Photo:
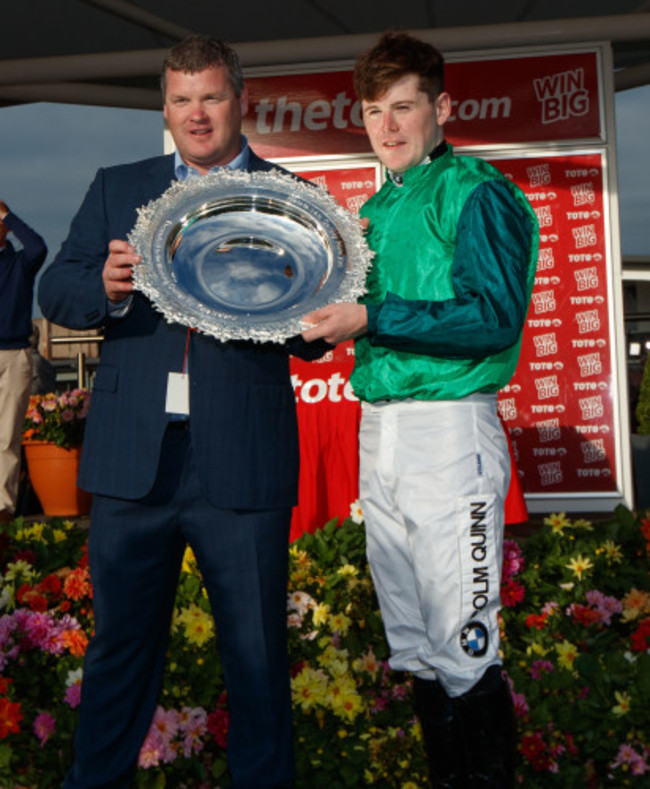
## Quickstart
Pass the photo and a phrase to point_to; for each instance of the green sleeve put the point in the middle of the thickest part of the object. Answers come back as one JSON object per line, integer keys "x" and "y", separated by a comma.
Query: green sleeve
{"x": 496, "y": 247}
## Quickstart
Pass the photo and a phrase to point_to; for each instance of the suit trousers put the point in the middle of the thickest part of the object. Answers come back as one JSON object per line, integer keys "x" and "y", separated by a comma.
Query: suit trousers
{"x": 135, "y": 551}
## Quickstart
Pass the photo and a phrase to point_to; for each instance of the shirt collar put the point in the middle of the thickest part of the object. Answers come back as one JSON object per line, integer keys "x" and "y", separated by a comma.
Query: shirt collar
{"x": 439, "y": 150}
{"x": 240, "y": 162}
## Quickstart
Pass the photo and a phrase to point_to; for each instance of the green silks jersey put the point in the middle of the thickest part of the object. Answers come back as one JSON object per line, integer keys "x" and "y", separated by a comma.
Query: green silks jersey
{"x": 456, "y": 248}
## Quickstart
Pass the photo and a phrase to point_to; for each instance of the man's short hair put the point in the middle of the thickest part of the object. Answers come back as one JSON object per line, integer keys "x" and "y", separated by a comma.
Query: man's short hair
{"x": 197, "y": 53}
{"x": 394, "y": 56}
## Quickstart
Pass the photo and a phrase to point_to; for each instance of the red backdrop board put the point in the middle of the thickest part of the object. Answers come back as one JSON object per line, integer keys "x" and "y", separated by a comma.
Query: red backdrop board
{"x": 559, "y": 406}
{"x": 528, "y": 99}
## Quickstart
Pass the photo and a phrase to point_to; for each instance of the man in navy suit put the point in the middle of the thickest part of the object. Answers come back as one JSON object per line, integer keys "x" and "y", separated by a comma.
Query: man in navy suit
{"x": 214, "y": 466}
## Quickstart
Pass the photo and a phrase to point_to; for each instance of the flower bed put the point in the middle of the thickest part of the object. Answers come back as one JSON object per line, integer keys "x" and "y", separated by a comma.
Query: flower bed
{"x": 576, "y": 645}
{"x": 59, "y": 419}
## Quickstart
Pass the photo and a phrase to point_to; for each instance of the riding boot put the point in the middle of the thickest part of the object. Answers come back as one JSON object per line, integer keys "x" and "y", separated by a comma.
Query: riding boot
{"x": 443, "y": 739}
{"x": 485, "y": 715}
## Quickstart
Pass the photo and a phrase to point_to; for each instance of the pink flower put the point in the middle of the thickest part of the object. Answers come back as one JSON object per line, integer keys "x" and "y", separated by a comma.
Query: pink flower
{"x": 167, "y": 722}
{"x": 73, "y": 695}
{"x": 606, "y": 606}
{"x": 628, "y": 756}
{"x": 152, "y": 749}
{"x": 44, "y": 727}
{"x": 193, "y": 723}
{"x": 541, "y": 667}
{"x": 513, "y": 559}
{"x": 520, "y": 705}
{"x": 67, "y": 415}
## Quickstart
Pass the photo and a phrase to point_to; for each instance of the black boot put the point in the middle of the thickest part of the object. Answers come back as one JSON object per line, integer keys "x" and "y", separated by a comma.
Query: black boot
{"x": 443, "y": 739}
{"x": 485, "y": 716}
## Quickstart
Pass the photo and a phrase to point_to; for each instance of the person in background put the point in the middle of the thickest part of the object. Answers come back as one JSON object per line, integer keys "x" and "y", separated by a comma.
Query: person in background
{"x": 18, "y": 269}
{"x": 437, "y": 335}
{"x": 188, "y": 441}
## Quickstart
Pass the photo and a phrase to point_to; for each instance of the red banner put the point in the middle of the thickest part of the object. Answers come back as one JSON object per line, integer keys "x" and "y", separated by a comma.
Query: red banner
{"x": 540, "y": 98}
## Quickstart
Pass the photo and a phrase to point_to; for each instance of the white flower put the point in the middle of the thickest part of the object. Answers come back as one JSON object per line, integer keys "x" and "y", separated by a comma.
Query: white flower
{"x": 355, "y": 512}
{"x": 74, "y": 677}
{"x": 300, "y": 602}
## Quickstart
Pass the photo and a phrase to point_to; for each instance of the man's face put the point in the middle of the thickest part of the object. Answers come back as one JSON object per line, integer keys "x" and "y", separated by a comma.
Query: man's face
{"x": 204, "y": 116}
{"x": 403, "y": 125}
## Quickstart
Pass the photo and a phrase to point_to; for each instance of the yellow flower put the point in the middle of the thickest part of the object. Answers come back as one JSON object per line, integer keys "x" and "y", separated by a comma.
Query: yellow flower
{"x": 624, "y": 703}
{"x": 33, "y": 532}
{"x": 300, "y": 557}
{"x": 567, "y": 653}
{"x": 336, "y": 660}
{"x": 409, "y": 785}
{"x": 339, "y": 623}
{"x": 19, "y": 569}
{"x": 344, "y": 699}
{"x": 581, "y": 523}
{"x": 198, "y": 625}
{"x": 558, "y": 522}
{"x": 59, "y": 535}
{"x": 189, "y": 565}
{"x": 321, "y": 612}
{"x": 536, "y": 649}
{"x": 309, "y": 688}
{"x": 580, "y": 564}
{"x": 348, "y": 570}
{"x": 612, "y": 552}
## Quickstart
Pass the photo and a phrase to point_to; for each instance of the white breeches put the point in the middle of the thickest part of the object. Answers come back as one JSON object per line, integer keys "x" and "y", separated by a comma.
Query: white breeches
{"x": 433, "y": 481}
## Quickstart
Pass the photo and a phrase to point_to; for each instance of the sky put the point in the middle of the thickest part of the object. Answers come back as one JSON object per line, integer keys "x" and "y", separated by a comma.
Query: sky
{"x": 49, "y": 154}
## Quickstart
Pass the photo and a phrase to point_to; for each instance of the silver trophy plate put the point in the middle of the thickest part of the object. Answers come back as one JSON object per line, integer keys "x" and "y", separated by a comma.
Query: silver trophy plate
{"x": 244, "y": 256}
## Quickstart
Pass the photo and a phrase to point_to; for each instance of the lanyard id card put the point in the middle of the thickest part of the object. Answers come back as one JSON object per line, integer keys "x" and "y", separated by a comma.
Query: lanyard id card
{"x": 178, "y": 394}
{"x": 178, "y": 388}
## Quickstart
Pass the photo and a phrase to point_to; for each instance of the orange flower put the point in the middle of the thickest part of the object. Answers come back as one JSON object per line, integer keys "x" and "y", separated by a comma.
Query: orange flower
{"x": 76, "y": 641}
{"x": 77, "y": 584}
{"x": 10, "y": 718}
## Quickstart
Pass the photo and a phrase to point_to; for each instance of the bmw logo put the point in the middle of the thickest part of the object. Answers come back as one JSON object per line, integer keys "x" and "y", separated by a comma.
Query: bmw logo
{"x": 474, "y": 639}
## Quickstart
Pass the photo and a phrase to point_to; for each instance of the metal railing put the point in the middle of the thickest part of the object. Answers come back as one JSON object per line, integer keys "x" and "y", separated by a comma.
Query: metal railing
{"x": 81, "y": 356}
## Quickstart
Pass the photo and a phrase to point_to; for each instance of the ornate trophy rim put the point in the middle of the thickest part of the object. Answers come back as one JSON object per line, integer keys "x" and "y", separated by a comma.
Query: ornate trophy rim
{"x": 244, "y": 256}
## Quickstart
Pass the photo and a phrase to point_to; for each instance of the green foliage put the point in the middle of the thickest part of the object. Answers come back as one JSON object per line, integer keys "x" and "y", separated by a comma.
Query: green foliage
{"x": 643, "y": 404}
{"x": 576, "y": 650}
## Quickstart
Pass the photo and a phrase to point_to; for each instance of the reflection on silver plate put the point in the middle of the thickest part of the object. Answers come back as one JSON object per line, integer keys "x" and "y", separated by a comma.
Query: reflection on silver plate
{"x": 241, "y": 255}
